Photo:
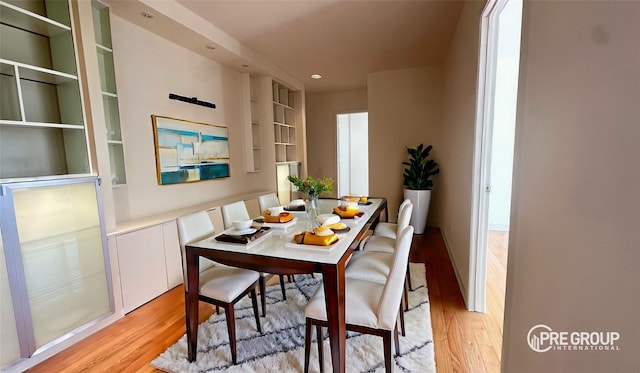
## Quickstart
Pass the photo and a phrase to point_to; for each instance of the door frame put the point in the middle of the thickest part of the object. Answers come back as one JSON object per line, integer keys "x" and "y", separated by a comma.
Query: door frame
{"x": 337, "y": 183}
{"x": 487, "y": 66}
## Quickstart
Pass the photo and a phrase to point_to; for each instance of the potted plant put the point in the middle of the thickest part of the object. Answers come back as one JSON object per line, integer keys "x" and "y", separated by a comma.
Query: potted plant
{"x": 313, "y": 189}
{"x": 418, "y": 184}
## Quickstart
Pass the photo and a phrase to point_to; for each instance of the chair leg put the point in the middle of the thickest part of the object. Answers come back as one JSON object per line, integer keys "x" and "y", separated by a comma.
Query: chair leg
{"x": 386, "y": 341}
{"x": 409, "y": 276}
{"x": 406, "y": 296}
{"x": 307, "y": 344}
{"x": 320, "y": 347}
{"x": 254, "y": 302}
{"x": 395, "y": 336}
{"x": 231, "y": 327}
{"x": 402, "y": 322}
{"x": 263, "y": 295}
{"x": 284, "y": 294}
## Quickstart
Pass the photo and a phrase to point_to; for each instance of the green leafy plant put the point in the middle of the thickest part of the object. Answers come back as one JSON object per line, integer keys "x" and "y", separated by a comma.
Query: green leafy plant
{"x": 312, "y": 187}
{"x": 418, "y": 175}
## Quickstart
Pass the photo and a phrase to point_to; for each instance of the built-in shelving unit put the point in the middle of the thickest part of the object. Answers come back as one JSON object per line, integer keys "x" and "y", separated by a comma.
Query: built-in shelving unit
{"x": 253, "y": 122}
{"x": 42, "y": 131}
{"x": 102, "y": 31}
{"x": 284, "y": 124}
{"x": 286, "y": 138}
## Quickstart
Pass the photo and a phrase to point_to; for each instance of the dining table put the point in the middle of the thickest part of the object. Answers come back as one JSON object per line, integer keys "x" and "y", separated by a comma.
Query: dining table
{"x": 279, "y": 254}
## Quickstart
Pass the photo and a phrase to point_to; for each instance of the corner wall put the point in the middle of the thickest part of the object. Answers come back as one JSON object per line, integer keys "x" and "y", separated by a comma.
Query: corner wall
{"x": 456, "y": 165}
{"x": 405, "y": 109}
{"x": 573, "y": 250}
{"x": 321, "y": 111}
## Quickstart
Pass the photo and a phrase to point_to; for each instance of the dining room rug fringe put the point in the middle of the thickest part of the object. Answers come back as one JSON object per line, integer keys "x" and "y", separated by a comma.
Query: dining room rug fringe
{"x": 280, "y": 348}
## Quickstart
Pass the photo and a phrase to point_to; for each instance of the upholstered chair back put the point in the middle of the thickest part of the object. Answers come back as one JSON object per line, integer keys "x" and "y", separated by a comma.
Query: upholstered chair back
{"x": 268, "y": 200}
{"x": 191, "y": 228}
{"x": 402, "y": 205}
{"x": 389, "y": 303}
{"x": 234, "y": 211}
{"x": 404, "y": 217}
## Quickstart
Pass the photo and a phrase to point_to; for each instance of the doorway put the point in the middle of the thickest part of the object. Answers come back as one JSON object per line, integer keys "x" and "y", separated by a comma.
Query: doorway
{"x": 493, "y": 153}
{"x": 353, "y": 154}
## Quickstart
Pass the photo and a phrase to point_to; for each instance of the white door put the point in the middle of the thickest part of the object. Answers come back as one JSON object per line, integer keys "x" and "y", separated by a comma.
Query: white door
{"x": 353, "y": 154}
{"x": 495, "y": 129}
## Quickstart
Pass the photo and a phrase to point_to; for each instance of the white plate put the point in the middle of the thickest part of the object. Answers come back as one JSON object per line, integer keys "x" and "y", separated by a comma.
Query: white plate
{"x": 286, "y": 225}
{"x": 296, "y": 203}
{"x": 241, "y": 231}
{"x": 328, "y": 219}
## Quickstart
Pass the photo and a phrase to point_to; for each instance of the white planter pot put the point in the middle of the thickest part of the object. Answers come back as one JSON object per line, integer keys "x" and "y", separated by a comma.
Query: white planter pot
{"x": 420, "y": 200}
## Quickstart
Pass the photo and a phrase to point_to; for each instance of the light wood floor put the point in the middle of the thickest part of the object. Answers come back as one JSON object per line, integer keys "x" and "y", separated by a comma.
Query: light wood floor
{"x": 464, "y": 341}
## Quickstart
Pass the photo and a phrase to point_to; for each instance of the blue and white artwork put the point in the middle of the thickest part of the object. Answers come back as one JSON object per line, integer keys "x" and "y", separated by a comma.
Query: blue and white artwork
{"x": 189, "y": 151}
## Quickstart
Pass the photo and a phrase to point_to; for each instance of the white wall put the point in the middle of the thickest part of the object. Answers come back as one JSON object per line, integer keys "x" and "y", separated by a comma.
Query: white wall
{"x": 148, "y": 68}
{"x": 573, "y": 252}
{"x": 405, "y": 109}
{"x": 321, "y": 111}
{"x": 456, "y": 162}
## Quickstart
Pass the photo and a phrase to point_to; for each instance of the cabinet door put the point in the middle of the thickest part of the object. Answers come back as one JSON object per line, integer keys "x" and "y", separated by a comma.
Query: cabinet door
{"x": 143, "y": 272}
{"x": 57, "y": 280}
{"x": 172, "y": 254}
{"x": 10, "y": 350}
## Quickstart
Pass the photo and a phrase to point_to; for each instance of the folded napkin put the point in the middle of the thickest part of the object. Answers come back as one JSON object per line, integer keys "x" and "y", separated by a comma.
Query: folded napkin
{"x": 243, "y": 238}
{"x": 347, "y": 214}
{"x": 283, "y": 217}
{"x": 308, "y": 238}
{"x": 294, "y": 208}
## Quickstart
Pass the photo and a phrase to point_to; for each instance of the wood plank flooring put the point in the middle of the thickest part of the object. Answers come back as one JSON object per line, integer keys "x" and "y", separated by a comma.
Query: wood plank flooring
{"x": 464, "y": 341}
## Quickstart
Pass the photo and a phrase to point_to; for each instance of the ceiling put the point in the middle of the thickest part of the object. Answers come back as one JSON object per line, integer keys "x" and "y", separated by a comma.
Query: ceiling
{"x": 341, "y": 40}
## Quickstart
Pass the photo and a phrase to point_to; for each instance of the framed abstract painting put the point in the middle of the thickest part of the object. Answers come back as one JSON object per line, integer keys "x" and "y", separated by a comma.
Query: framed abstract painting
{"x": 189, "y": 151}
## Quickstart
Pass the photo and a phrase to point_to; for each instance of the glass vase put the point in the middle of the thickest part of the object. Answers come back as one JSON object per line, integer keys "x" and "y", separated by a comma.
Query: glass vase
{"x": 312, "y": 210}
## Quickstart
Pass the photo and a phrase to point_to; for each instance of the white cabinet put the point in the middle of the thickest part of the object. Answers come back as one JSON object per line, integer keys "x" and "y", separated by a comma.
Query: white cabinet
{"x": 150, "y": 263}
{"x": 55, "y": 282}
{"x": 143, "y": 273}
{"x": 173, "y": 258}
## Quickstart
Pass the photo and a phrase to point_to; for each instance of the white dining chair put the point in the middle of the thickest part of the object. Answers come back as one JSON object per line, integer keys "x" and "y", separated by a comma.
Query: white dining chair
{"x": 371, "y": 307}
{"x": 238, "y": 211}
{"x": 387, "y": 243}
{"x": 220, "y": 285}
{"x": 375, "y": 266}
{"x": 234, "y": 211}
{"x": 386, "y": 229}
{"x": 268, "y": 200}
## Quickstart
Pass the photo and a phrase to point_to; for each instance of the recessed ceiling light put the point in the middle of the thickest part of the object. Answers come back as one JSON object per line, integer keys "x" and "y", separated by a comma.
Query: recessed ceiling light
{"x": 146, "y": 15}
{"x": 316, "y": 76}
{"x": 210, "y": 47}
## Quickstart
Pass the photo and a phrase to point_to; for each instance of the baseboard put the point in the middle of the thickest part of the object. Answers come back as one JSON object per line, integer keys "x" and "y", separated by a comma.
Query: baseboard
{"x": 461, "y": 284}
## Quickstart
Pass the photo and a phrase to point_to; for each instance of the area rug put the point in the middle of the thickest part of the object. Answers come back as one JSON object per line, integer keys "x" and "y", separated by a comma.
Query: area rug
{"x": 280, "y": 348}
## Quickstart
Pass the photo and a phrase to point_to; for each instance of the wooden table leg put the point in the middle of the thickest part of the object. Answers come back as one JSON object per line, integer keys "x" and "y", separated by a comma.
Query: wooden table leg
{"x": 333, "y": 279}
{"x": 191, "y": 304}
